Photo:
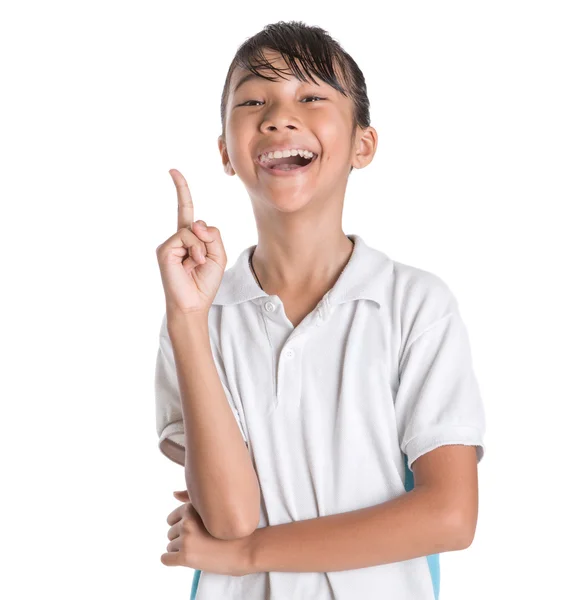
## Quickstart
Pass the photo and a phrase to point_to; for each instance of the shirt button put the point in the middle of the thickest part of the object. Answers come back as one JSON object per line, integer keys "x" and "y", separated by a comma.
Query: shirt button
{"x": 289, "y": 353}
{"x": 269, "y": 306}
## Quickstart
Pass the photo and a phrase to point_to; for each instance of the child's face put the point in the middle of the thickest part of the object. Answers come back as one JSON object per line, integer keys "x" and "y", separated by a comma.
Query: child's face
{"x": 262, "y": 113}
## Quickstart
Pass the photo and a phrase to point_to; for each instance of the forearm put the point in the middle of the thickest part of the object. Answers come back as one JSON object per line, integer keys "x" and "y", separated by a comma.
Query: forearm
{"x": 414, "y": 524}
{"x": 221, "y": 481}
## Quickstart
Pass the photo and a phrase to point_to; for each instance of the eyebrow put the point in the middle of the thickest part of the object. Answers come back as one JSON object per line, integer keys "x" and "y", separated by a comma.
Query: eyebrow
{"x": 246, "y": 78}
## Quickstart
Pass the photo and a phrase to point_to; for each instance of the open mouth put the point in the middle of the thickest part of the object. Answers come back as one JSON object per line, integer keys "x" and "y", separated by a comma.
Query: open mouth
{"x": 290, "y": 163}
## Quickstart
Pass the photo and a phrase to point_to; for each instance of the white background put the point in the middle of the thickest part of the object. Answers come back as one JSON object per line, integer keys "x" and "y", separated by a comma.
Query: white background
{"x": 479, "y": 178}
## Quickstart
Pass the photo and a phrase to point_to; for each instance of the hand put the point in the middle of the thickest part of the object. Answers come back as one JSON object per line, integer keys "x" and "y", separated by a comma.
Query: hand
{"x": 193, "y": 546}
{"x": 193, "y": 260}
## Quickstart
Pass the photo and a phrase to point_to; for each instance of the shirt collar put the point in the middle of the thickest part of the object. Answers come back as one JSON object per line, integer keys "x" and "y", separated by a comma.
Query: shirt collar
{"x": 365, "y": 276}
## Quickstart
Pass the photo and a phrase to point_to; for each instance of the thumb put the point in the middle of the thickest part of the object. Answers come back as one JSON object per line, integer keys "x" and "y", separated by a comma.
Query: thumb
{"x": 184, "y": 495}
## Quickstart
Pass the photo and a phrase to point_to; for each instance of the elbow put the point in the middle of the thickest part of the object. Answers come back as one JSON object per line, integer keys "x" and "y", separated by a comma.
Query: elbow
{"x": 461, "y": 530}
{"x": 241, "y": 525}
{"x": 243, "y": 529}
{"x": 234, "y": 519}
{"x": 248, "y": 528}
{"x": 466, "y": 537}
{"x": 247, "y": 521}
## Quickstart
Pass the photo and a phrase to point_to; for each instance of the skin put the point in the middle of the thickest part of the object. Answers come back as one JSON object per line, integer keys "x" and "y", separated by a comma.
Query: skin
{"x": 301, "y": 251}
{"x": 301, "y": 248}
{"x": 191, "y": 545}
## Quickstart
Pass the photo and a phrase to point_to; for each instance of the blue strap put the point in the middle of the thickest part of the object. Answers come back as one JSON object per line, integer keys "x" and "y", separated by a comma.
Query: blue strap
{"x": 195, "y": 584}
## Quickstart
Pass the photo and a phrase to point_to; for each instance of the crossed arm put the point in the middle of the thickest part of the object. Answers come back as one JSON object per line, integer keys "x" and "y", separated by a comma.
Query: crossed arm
{"x": 438, "y": 515}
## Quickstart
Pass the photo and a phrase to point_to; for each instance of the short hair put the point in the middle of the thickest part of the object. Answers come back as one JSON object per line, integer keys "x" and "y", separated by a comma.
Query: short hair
{"x": 316, "y": 51}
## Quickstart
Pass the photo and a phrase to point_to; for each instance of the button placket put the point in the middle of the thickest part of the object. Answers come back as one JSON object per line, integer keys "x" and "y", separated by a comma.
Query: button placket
{"x": 287, "y": 370}
{"x": 289, "y": 376}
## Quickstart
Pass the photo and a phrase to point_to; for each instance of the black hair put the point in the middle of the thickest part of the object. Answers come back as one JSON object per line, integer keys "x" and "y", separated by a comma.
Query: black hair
{"x": 316, "y": 51}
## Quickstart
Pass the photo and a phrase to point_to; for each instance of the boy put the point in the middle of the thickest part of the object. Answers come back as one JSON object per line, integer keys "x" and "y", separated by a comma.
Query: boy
{"x": 348, "y": 374}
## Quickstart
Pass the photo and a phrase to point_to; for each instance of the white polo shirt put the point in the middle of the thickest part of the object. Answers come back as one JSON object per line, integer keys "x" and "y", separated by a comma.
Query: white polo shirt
{"x": 335, "y": 410}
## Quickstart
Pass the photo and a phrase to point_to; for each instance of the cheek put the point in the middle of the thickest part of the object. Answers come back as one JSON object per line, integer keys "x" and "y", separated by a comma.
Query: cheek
{"x": 333, "y": 134}
{"x": 237, "y": 151}
{"x": 240, "y": 137}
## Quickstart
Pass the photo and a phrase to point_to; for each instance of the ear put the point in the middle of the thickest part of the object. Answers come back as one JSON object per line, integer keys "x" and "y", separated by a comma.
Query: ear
{"x": 225, "y": 159}
{"x": 366, "y": 143}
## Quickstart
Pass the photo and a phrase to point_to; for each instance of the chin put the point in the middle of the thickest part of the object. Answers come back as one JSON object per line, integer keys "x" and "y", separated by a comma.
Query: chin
{"x": 287, "y": 202}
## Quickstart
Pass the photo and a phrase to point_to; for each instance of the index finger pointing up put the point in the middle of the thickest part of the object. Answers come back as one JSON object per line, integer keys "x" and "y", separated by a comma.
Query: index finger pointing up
{"x": 185, "y": 210}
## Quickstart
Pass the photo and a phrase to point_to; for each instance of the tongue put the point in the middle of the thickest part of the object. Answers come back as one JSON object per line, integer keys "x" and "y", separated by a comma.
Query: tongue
{"x": 291, "y": 161}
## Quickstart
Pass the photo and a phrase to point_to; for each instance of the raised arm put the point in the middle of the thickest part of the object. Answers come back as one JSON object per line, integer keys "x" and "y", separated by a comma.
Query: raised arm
{"x": 222, "y": 483}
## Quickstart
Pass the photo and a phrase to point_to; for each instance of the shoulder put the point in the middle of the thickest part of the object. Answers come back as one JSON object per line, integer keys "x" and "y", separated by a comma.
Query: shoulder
{"x": 420, "y": 298}
{"x": 414, "y": 297}
{"x": 416, "y": 287}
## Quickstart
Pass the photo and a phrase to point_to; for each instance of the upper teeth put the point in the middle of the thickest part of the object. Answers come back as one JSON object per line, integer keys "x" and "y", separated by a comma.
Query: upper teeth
{"x": 285, "y": 154}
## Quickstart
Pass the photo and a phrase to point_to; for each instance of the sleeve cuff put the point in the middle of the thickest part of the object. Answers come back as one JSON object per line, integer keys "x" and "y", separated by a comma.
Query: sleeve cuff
{"x": 174, "y": 448}
{"x": 466, "y": 436}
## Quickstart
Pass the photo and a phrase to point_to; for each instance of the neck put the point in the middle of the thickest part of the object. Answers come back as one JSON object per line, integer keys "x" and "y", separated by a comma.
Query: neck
{"x": 289, "y": 267}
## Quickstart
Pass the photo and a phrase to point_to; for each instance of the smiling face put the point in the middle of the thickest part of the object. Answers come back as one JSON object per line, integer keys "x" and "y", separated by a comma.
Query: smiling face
{"x": 289, "y": 114}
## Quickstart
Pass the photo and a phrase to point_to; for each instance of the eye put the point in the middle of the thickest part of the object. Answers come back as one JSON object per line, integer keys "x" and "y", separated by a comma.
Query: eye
{"x": 247, "y": 101}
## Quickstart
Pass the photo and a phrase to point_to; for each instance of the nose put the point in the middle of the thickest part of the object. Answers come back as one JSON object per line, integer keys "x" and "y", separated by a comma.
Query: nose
{"x": 280, "y": 117}
{"x": 269, "y": 124}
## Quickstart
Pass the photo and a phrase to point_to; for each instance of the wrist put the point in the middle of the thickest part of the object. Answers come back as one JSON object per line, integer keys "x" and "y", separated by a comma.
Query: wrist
{"x": 178, "y": 322}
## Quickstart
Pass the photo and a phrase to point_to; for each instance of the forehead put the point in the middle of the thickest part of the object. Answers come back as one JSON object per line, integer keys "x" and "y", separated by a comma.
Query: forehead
{"x": 241, "y": 76}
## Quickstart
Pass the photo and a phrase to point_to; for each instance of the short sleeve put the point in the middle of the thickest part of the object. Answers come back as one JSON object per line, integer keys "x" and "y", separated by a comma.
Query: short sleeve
{"x": 169, "y": 414}
{"x": 438, "y": 401}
